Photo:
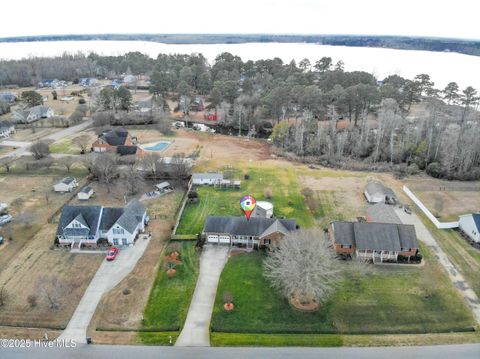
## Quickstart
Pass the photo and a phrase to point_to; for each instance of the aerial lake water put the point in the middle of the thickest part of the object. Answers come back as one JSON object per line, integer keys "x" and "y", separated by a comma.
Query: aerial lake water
{"x": 443, "y": 67}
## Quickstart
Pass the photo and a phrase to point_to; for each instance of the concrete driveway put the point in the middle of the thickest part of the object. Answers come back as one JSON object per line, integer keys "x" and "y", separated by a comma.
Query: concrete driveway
{"x": 455, "y": 276}
{"x": 196, "y": 331}
{"x": 108, "y": 275}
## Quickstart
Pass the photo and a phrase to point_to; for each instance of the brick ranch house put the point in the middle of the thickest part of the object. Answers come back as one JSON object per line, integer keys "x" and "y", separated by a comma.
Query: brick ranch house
{"x": 257, "y": 232}
{"x": 86, "y": 225}
{"x": 376, "y": 241}
{"x": 118, "y": 141}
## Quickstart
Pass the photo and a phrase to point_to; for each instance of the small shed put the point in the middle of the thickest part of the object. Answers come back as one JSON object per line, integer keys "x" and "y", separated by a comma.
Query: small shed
{"x": 85, "y": 193}
{"x": 67, "y": 184}
{"x": 208, "y": 178}
{"x": 263, "y": 209}
{"x": 164, "y": 187}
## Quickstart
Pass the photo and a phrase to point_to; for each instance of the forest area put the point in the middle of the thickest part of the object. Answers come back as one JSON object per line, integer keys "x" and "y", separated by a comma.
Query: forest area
{"x": 316, "y": 112}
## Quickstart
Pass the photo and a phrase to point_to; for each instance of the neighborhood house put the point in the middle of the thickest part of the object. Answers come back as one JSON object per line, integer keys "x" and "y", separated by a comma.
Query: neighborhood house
{"x": 86, "y": 225}
{"x": 67, "y": 184}
{"x": 6, "y": 129}
{"x": 470, "y": 225}
{"x": 33, "y": 114}
{"x": 263, "y": 209}
{"x": 254, "y": 233}
{"x": 376, "y": 192}
{"x": 376, "y": 241}
{"x": 118, "y": 141}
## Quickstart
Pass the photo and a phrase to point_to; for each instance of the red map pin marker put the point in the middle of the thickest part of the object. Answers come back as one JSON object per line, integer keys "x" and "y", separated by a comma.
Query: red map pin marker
{"x": 247, "y": 204}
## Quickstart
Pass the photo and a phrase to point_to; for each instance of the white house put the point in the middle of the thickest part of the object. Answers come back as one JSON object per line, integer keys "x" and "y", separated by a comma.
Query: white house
{"x": 67, "y": 184}
{"x": 33, "y": 114}
{"x": 6, "y": 129}
{"x": 470, "y": 225}
{"x": 263, "y": 209}
{"x": 88, "y": 224}
{"x": 85, "y": 193}
{"x": 206, "y": 178}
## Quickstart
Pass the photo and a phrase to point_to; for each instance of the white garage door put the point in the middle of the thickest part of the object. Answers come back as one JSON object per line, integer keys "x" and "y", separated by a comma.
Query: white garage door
{"x": 212, "y": 239}
{"x": 224, "y": 239}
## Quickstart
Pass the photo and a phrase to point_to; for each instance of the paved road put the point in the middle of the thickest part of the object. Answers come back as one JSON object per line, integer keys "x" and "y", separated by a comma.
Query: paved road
{"x": 196, "y": 331}
{"x": 457, "y": 279}
{"x": 108, "y": 275}
{"x": 466, "y": 351}
{"x": 24, "y": 146}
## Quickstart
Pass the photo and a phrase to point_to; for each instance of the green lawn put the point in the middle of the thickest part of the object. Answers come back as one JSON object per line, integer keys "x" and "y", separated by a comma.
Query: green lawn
{"x": 282, "y": 182}
{"x": 169, "y": 299}
{"x": 390, "y": 300}
{"x": 465, "y": 258}
{"x": 64, "y": 146}
{"x": 275, "y": 340}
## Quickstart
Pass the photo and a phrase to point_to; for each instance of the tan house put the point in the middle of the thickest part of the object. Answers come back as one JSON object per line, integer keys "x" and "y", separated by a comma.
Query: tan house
{"x": 257, "y": 232}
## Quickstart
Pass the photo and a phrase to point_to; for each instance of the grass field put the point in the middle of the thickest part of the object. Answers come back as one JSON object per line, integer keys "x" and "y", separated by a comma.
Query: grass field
{"x": 465, "y": 258}
{"x": 67, "y": 146}
{"x": 282, "y": 182}
{"x": 390, "y": 300}
{"x": 169, "y": 299}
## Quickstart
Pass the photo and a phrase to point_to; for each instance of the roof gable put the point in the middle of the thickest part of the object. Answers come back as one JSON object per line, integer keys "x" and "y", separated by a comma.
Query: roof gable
{"x": 89, "y": 215}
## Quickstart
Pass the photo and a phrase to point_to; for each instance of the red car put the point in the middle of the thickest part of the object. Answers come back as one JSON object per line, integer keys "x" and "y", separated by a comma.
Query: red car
{"x": 112, "y": 254}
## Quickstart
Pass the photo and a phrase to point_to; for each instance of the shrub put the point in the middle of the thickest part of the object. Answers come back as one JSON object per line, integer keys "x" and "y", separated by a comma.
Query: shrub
{"x": 434, "y": 169}
{"x": 268, "y": 193}
{"x": 247, "y": 176}
{"x": 126, "y": 291}
{"x": 307, "y": 192}
{"x": 82, "y": 101}
{"x": 32, "y": 300}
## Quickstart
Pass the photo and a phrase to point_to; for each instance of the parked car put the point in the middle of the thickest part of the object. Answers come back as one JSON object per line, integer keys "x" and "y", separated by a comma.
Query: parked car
{"x": 407, "y": 209}
{"x": 1, "y": 240}
{"x": 112, "y": 254}
{"x": 5, "y": 219}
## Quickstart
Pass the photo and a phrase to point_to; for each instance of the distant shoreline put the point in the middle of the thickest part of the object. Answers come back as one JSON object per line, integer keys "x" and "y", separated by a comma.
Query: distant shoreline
{"x": 462, "y": 46}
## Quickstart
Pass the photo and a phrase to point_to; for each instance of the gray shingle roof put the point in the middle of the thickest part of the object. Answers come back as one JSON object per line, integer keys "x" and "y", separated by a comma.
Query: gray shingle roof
{"x": 344, "y": 233}
{"x": 115, "y": 137}
{"x": 67, "y": 180}
{"x": 132, "y": 216}
{"x": 90, "y": 214}
{"x": 240, "y": 226}
{"x": 109, "y": 217}
{"x": 376, "y": 236}
{"x": 383, "y": 213}
{"x": 126, "y": 150}
{"x": 86, "y": 189}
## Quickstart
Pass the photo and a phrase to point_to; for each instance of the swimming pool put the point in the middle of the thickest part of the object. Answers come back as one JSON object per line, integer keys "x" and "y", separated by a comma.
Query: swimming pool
{"x": 159, "y": 146}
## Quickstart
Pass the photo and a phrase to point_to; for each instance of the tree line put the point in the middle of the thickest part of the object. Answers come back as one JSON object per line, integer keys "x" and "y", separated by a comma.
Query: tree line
{"x": 305, "y": 102}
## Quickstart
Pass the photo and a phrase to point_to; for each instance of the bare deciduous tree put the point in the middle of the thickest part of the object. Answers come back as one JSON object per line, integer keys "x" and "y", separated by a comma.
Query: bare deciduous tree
{"x": 304, "y": 266}
{"x": 82, "y": 142}
{"x": 149, "y": 164}
{"x": 133, "y": 179}
{"x": 25, "y": 218}
{"x": 52, "y": 288}
{"x": 40, "y": 150}
{"x": 106, "y": 168}
{"x": 67, "y": 162}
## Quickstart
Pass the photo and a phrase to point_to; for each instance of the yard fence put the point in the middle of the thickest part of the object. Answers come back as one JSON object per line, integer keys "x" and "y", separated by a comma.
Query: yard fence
{"x": 431, "y": 217}
{"x": 181, "y": 208}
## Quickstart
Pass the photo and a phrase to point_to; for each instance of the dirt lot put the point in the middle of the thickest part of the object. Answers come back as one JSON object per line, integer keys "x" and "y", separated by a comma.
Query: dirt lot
{"x": 29, "y": 135}
{"x": 446, "y": 199}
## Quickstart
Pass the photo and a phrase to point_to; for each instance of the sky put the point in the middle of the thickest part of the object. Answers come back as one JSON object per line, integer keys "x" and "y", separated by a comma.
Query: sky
{"x": 442, "y": 18}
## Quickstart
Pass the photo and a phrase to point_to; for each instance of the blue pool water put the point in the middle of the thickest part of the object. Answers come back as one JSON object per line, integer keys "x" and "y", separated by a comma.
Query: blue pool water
{"x": 160, "y": 146}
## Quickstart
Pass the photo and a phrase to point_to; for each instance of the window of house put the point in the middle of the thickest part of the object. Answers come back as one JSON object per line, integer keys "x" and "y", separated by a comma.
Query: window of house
{"x": 267, "y": 241}
{"x": 115, "y": 241}
{"x": 124, "y": 241}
